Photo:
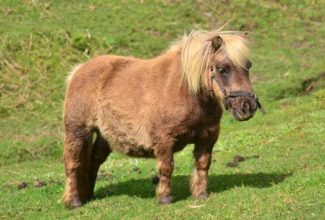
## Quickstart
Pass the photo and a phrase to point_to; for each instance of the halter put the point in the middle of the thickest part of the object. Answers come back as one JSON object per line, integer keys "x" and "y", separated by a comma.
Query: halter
{"x": 231, "y": 94}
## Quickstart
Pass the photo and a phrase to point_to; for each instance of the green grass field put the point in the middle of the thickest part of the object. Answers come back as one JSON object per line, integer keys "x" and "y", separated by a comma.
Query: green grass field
{"x": 40, "y": 41}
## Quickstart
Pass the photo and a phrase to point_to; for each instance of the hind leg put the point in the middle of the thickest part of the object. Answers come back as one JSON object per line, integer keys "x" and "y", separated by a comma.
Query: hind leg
{"x": 76, "y": 160}
{"x": 164, "y": 154}
{"x": 99, "y": 154}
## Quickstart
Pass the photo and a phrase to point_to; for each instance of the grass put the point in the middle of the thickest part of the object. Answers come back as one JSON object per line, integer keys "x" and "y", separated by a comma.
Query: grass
{"x": 40, "y": 41}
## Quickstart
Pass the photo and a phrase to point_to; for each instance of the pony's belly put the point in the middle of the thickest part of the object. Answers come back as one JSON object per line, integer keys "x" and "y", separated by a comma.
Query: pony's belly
{"x": 129, "y": 137}
{"x": 129, "y": 145}
{"x": 134, "y": 150}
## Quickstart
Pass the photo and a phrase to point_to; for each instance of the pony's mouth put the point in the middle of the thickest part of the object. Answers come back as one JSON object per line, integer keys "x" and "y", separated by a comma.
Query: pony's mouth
{"x": 242, "y": 108}
{"x": 240, "y": 115}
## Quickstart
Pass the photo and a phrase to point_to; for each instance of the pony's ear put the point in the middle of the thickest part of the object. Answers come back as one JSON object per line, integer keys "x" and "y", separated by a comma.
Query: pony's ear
{"x": 217, "y": 42}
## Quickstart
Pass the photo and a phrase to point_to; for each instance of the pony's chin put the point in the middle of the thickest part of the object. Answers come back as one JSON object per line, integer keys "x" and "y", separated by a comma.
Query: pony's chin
{"x": 240, "y": 116}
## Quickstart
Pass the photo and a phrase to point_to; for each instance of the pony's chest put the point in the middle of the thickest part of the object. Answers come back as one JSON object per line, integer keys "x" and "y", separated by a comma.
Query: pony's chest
{"x": 199, "y": 124}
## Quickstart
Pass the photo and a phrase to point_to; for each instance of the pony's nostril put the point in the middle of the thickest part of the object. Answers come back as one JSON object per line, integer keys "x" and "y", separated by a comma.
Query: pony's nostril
{"x": 245, "y": 106}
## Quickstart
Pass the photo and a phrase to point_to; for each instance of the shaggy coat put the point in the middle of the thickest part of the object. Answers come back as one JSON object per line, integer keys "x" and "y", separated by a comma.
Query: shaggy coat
{"x": 149, "y": 108}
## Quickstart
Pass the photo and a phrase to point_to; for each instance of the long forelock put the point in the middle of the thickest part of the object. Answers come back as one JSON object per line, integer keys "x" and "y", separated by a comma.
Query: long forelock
{"x": 196, "y": 52}
{"x": 235, "y": 48}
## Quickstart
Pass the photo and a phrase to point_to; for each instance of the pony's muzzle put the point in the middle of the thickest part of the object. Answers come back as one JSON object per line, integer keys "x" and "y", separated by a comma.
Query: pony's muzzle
{"x": 242, "y": 108}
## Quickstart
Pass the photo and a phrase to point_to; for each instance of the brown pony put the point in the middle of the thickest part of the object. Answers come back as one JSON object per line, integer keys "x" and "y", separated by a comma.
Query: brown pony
{"x": 154, "y": 108}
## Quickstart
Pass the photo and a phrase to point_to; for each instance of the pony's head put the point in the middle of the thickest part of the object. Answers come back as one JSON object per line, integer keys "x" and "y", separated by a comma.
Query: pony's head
{"x": 218, "y": 62}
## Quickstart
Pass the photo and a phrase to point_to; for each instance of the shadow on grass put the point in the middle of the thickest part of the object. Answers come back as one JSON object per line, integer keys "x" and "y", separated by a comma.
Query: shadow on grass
{"x": 180, "y": 185}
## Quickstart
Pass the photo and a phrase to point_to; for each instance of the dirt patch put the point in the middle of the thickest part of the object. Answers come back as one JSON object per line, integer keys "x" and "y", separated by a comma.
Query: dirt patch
{"x": 303, "y": 87}
{"x": 308, "y": 85}
{"x": 22, "y": 185}
{"x": 38, "y": 183}
{"x": 238, "y": 158}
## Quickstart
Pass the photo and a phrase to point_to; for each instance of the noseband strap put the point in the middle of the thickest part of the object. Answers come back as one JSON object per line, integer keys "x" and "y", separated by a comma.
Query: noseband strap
{"x": 231, "y": 94}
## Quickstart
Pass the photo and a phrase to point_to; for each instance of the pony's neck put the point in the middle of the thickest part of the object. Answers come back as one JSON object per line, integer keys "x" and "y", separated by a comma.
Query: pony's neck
{"x": 171, "y": 64}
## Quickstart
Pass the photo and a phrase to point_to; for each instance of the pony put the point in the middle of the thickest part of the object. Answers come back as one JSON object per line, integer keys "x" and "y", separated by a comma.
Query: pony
{"x": 155, "y": 107}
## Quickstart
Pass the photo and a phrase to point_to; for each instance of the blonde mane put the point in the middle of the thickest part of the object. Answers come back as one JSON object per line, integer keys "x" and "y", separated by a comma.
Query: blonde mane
{"x": 196, "y": 51}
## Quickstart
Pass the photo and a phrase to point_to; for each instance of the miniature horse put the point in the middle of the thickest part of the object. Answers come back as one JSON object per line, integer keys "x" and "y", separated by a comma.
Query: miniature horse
{"x": 154, "y": 108}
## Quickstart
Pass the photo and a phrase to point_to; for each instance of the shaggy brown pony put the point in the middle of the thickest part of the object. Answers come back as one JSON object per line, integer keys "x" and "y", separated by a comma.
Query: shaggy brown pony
{"x": 154, "y": 108}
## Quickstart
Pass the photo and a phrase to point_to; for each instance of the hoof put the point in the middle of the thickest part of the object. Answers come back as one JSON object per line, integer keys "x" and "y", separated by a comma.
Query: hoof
{"x": 165, "y": 200}
{"x": 202, "y": 196}
{"x": 73, "y": 204}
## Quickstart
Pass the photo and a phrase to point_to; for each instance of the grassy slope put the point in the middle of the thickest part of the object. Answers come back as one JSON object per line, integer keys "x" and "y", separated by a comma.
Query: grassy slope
{"x": 41, "y": 41}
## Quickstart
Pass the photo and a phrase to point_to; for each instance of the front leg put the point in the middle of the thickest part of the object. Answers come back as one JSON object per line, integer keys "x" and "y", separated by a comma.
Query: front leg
{"x": 165, "y": 168}
{"x": 199, "y": 180}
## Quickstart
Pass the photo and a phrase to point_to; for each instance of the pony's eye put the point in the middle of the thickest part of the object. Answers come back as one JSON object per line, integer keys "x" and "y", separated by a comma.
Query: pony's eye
{"x": 222, "y": 70}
